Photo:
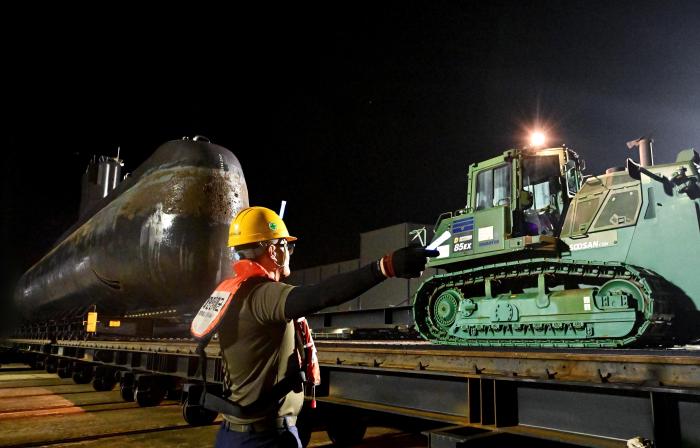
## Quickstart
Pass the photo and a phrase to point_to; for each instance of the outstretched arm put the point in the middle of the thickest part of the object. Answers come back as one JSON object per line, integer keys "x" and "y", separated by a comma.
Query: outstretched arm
{"x": 408, "y": 262}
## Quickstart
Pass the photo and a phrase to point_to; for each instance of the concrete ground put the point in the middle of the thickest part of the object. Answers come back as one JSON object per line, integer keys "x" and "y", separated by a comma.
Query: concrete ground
{"x": 40, "y": 409}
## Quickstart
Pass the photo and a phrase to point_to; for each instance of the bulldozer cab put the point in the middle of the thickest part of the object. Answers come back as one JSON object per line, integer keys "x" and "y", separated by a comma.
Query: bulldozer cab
{"x": 535, "y": 186}
{"x": 514, "y": 201}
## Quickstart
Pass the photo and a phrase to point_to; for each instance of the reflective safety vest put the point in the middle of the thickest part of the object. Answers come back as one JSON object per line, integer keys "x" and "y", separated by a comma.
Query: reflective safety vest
{"x": 207, "y": 321}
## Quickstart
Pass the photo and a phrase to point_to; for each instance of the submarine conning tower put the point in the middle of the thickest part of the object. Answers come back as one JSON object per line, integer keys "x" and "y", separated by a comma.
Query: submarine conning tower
{"x": 101, "y": 177}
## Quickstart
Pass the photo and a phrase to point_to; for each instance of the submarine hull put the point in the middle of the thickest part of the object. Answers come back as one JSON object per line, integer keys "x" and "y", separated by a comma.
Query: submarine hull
{"x": 158, "y": 240}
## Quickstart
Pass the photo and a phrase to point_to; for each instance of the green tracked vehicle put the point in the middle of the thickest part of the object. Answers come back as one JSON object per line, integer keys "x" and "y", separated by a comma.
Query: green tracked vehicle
{"x": 542, "y": 256}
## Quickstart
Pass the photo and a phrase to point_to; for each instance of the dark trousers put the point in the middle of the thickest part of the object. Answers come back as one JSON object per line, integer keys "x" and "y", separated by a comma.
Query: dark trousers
{"x": 272, "y": 438}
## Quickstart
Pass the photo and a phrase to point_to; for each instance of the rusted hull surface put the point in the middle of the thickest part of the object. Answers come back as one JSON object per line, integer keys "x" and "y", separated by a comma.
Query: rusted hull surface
{"x": 158, "y": 240}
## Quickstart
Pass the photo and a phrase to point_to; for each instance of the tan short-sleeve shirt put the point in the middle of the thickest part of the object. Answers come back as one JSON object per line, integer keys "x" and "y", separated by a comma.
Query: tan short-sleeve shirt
{"x": 257, "y": 345}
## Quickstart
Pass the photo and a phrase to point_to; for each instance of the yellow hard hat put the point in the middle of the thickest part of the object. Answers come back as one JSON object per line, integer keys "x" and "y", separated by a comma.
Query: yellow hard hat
{"x": 256, "y": 224}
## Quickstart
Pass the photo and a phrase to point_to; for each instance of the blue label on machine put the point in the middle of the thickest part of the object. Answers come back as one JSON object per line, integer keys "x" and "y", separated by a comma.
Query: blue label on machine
{"x": 463, "y": 225}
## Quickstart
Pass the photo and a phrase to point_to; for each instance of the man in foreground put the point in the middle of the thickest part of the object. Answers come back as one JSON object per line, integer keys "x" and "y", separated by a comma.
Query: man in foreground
{"x": 265, "y": 342}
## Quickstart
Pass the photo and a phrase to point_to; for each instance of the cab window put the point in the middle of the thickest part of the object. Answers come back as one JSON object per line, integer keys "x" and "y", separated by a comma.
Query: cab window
{"x": 493, "y": 187}
{"x": 541, "y": 180}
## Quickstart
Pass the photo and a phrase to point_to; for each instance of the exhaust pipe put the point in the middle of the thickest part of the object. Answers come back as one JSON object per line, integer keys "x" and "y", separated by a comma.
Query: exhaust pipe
{"x": 646, "y": 152}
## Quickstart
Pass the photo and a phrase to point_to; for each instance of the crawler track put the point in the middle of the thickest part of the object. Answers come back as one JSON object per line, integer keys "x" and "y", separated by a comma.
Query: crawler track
{"x": 651, "y": 325}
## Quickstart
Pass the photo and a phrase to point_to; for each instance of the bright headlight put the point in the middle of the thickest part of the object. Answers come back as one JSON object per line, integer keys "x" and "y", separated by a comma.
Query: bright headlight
{"x": 537, "y": 139}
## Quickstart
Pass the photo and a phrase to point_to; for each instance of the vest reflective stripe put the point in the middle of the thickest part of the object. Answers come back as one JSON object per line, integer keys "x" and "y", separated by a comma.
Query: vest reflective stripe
{"x": 207, "y": 320}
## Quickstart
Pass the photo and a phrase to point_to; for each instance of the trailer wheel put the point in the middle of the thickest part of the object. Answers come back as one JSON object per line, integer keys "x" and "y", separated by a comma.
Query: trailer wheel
{"x": 345, "y": 431}
{"x": 51, "y": 365}
{"x": 126, "y": 391}
{"x": 197, "y": 415}
{"x": 63, "y": 372}
{"x": 148, "y": 397}
{"x": 82, "y": 375}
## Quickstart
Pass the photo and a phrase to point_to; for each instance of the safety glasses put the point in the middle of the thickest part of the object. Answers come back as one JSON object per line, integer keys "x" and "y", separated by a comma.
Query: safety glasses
{"x": 287, "y": 244}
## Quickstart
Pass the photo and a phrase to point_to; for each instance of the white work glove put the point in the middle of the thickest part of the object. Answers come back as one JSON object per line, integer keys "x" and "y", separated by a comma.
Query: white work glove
{"x": 639, "y": 442}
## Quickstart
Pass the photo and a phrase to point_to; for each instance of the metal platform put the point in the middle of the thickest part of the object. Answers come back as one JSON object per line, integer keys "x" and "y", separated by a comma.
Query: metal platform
{"x": 589, "y": 397}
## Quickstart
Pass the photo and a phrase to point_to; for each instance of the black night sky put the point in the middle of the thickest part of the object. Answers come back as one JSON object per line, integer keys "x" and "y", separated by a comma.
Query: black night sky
{"x": 360, "y": 116}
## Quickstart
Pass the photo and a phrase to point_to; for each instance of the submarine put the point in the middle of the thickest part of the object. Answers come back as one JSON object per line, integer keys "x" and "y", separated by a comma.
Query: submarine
{"x": 153, "y": 239}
